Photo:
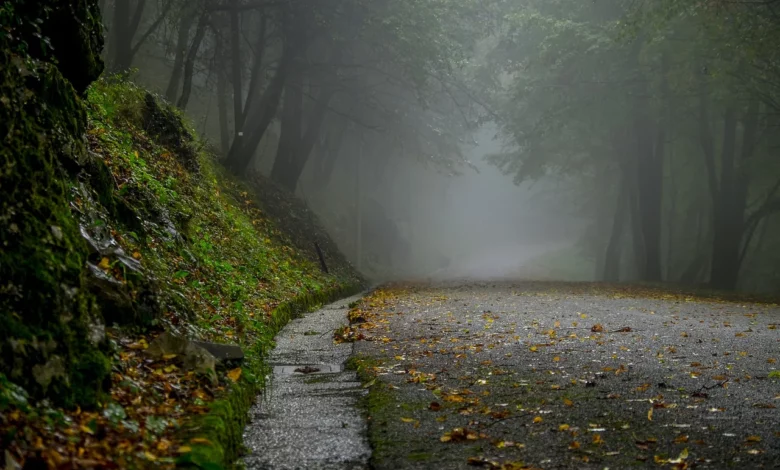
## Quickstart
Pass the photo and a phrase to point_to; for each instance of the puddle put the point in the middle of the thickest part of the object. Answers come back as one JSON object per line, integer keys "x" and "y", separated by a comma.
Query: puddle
{"x": 308, "y": 369}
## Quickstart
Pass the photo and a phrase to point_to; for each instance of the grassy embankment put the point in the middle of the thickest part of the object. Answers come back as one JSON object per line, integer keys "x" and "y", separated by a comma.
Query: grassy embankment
{"x": 181, "y": 246}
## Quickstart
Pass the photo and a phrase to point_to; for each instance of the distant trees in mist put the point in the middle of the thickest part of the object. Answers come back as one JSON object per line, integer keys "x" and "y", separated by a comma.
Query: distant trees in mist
{"x": 664, "y": 116}
{"x": 661, "y": 117}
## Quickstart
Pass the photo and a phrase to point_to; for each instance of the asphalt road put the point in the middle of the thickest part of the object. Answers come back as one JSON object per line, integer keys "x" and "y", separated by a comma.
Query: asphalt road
{"x": 560, "y": 376}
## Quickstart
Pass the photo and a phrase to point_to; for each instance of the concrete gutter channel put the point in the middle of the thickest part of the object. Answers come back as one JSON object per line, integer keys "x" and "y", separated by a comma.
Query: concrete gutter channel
{"x": 308, "y": 418}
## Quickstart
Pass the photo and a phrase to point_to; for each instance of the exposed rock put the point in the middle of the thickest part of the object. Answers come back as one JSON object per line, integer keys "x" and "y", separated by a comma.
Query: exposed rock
{"x": 10, "y": 462}
{"x": 188, "y": 353}
{"x": 45, "y": 373}
{"x": 66, "y": 33}
{"x": 134, "y": 298}
{"x": 49, "y": 54}
{"x": 97, "y": 331}
{"x": 168, "y": 130}
{"x": 223, "y": 352}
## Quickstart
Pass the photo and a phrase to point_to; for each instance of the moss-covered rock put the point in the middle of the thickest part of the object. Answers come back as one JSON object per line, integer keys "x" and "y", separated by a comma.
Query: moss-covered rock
{"x": 67, "y": 34}
{"x": 49, "y": 323}
{"x": 168, "y": 130}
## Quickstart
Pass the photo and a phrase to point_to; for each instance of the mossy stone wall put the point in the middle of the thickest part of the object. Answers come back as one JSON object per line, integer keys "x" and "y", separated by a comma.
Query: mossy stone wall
{"x": 51, "y": 337}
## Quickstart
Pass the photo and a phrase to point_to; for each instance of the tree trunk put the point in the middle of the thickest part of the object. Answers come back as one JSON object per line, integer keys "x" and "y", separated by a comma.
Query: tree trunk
{"x": 257, "y": 122}
{"x": 730, "y": 205}
{"x": 637, "y": 241}
{"x": 222, "y": 106}
{"x": 122, "y": 36}
{"x": 612, "y": 257}
{"x": 284, "y": 171}
{"x": 235, "y": 56}
{"x": 698, "y": 264}
{"x": 650, "y": 185}
{"x": 189, "y": 64}
{"x": 257, "y": 67}
{"x": 182, "y": 41}
{"x": 290, "y": 161}
{"x": 125, "y": 27}
{"x": 330, "y": 155}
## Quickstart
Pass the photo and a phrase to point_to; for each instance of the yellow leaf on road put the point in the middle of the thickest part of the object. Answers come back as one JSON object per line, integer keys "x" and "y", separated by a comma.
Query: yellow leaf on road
{"x": 650, "y": 415}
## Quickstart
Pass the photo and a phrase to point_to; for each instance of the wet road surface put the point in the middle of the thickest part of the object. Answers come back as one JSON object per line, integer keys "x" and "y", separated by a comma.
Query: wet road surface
{"x": 554, "y": 376}
{"x": 308, "y": 416}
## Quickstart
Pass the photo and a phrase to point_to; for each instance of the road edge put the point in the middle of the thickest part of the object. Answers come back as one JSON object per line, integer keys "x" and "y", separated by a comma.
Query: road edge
{"x": 216, "y": 437}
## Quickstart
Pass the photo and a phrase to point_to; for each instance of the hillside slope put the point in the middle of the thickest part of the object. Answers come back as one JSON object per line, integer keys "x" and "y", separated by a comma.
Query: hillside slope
{"x": 174, "y": 243}
{"x": 117, "y": 224}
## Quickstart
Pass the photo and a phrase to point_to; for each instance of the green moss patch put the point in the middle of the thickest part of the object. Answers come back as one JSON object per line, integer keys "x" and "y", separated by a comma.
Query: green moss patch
{"x": 148, "y": 233}
{"x": 47, "y": 315}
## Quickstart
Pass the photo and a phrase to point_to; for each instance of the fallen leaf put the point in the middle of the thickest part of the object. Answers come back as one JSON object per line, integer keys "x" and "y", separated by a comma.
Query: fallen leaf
{"x": 650, "y": 415}
{"x": 434, "y": 406}
{"x": 597, "y": 328}
{"x": 460, "y": 435}
{"x": 683, "y": 455}
{"x": 234, "y": 374}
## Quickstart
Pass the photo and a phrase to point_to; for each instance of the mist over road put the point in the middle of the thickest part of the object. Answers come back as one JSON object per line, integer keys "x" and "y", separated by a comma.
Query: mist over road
{"x": 503, "y": 262}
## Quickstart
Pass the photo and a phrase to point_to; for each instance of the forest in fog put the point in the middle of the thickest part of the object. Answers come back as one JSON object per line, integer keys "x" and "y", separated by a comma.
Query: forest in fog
{"x": 642, "y": 134}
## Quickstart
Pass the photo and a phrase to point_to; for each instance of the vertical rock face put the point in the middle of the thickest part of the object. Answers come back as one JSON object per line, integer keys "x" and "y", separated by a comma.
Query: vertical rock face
{"x": 67, "y": 34}
{"x": 48, "y": 320}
